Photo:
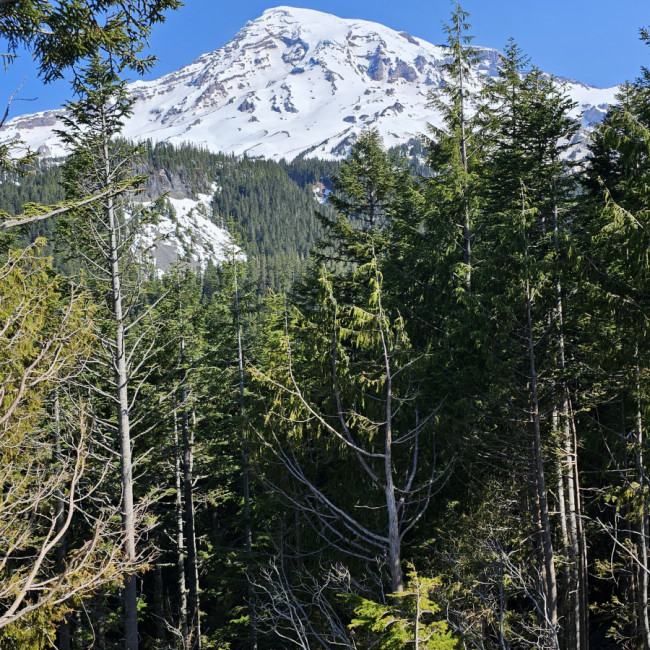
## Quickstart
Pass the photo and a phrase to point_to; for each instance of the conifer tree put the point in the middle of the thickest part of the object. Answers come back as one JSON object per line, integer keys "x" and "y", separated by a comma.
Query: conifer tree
{"x": 344, "y": 382}
{"x": 527, "y": 189}
{"x": 104, "y": 236}
{"x": 617, "y": 278}
{"x": 454, "y": 149}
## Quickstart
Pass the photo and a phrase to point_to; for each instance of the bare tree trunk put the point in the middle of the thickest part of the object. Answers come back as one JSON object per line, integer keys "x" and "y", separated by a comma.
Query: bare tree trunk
{"x": 124, "y": 427}
{"x": 502, "y": 605}
{"x": 394, "y": 542}
{"x": 561, "y": 480}
{"x": 643, "y": 516}
{"x": 180, "y": 540}
{"x": 190, "y": 535}
{"x": 540, "y": 484}
{"x": 394, "y": 536}
{"x": 467, "y": 233}
{"x": 576, "y": 531}
{"x": 583, "y": 592}
{"x": 196, "y": 564}
{"x": 100, "y": 642}
{"x": 245, "y": 468}
{"x": 571, "y": 513}
{"x": 63, "y": 631}
{"x": 572, "y": 528}
{"x": 159, "y": 608}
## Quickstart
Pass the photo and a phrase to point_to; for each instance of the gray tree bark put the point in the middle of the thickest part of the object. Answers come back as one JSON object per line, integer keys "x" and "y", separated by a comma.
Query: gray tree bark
{"x": 180, "y": 539}
{"x": 192, "y": 574}
{"x": 550, "y": 579}
{"x": 573, "y": 531}
{"x": 124, "y": 427}
{"x": 130, "y": 594}
{"x": 245, "y": 466}
{"x": 643, "y": 516}
{"x": 63, "y": 631}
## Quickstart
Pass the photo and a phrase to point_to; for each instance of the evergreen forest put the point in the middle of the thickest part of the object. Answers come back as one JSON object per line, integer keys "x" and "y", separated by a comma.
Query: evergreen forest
{"x": 413, "y": 414}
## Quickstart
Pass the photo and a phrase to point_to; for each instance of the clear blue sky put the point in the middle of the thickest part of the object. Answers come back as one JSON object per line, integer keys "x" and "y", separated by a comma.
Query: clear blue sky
{"x": 593, "y": 41}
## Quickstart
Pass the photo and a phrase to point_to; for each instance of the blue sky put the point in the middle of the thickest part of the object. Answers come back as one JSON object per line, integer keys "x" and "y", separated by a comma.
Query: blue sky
{"x": 593, "y": 41}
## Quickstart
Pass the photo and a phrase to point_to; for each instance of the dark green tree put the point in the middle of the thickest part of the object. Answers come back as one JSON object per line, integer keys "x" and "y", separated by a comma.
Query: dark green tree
{"x": 455, "y": 148}
{"x": 615, "y": 249}
{"x": 527, "y": 201}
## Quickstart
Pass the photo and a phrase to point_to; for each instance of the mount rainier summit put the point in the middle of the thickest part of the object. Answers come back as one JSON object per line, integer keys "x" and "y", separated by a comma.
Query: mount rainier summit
{"x": 295, "y": 82}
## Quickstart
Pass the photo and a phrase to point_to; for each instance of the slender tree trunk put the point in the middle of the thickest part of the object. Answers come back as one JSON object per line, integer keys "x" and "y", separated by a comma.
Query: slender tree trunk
{"x": 124, "y": 427}
{"x": 196, "y": 564}
{"x": 572, "y": 513}
{"x": 190, "y": 535}
{"x": 245, "y": 468}
{"x": 561, "y": 480}
{"x": 100, "y": 642}
{"x": 581, "y": 549}
{"x": 159, "y": 608}
{"x": 418, "y": 607}
{"x": 394, "y": 542}
{"x": 63, "y": 631}
{"x": 643, "y": 516}
{"x": 394, "y": 538}
{"x": 540, "y": 484}
{"x": 625, "y": 520}
{"x": 467, "y": 233}
{"x": 502, "y": 606}
{"x": 180, "y": 540}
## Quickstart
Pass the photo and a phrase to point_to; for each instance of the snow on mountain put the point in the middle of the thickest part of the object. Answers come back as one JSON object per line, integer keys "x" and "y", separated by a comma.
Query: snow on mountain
{"x": 185, "y": 232}
{"x": 296, "y": 82}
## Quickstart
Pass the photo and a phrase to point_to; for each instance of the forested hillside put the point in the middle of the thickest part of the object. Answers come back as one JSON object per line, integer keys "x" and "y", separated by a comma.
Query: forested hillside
{"x": 414, "y": 416}
{"x": 269, "y": 206}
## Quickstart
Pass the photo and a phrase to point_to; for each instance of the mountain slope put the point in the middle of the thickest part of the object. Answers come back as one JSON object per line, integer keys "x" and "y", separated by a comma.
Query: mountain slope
{"x": 295, "y": 82}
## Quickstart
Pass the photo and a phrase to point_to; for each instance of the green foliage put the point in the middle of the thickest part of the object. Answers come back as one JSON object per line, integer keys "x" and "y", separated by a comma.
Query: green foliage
{"x": 48, "y": 456}
{"x": 59, "y": 34}
{"x": 275, "y": 214}
{"x": 410, "y": 619}
{"x": 400, "y": 355}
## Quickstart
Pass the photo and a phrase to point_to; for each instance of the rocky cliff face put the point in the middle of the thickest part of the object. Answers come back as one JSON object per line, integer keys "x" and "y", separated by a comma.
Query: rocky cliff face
{"x": 175, "y": 184}
{"x": 296, "y": 82}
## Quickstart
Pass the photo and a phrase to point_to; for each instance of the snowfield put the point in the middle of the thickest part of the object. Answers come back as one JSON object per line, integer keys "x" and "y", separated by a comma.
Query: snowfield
{"x": 186, "y": 233}
{"x": 296, "y": 82}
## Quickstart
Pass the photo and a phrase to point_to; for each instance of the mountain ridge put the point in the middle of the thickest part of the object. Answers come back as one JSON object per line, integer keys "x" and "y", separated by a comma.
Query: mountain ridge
{"x": 296, "y": 82}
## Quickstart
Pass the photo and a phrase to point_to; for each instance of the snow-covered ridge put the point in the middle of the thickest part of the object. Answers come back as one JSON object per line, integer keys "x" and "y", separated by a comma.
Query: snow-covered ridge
{"x": 185, "y": 232}
{"x": 296, "y": 82}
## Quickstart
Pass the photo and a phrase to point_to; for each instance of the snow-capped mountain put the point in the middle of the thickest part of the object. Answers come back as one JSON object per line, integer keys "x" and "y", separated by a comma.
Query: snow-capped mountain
{"x": 295, "y": 82}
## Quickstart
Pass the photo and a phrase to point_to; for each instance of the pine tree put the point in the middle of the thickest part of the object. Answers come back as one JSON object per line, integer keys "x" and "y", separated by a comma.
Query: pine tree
{"x": 454, "y": 149}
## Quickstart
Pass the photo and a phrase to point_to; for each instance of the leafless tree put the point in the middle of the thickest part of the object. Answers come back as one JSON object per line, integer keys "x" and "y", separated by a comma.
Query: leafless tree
{"x": 375, "y": 418}
{"x": 296, "y": 606}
